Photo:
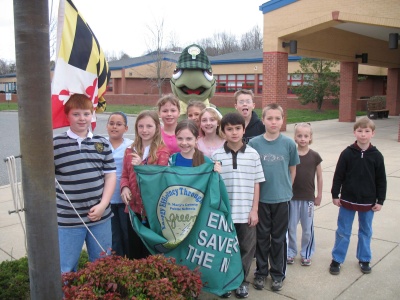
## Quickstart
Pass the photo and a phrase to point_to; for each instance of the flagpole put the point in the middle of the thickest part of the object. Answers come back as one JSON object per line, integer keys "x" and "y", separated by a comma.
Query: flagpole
{"x": 31, "y": 23}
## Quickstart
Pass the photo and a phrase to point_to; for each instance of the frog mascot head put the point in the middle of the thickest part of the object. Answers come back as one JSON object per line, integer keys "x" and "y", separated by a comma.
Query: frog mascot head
{"x": 193, "y": 78}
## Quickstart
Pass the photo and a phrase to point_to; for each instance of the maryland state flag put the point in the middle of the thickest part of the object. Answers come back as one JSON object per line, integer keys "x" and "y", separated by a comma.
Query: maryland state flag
{"x": 188, "y": 213}
{"x": 81, "y": 67}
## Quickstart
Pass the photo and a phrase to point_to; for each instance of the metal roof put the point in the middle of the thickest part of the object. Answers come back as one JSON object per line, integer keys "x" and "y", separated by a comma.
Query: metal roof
{"x": 249, "y": 56}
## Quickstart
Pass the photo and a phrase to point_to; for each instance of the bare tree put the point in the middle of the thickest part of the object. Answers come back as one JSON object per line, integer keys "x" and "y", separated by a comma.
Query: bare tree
{"x": 3, "y": 67}
{"x": 220, "y": 43}
{"x": 252, "y": 39}
{"x": 112, "y": 56}
{"x": 173, "y": 44}
{"x": 160, "y": 68}
{"x": 7, "y": 67}
{"x": 123, "y": 55}
{"x": 53, "y": 37}
{"x": 209, "y": 46}
{"x": 227, "y": 43}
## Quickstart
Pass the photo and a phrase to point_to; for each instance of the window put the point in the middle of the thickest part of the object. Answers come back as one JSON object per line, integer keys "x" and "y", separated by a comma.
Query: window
{"x": 294, "y": 80}
{"x": 260, "y": 83}
{"x": 232, "y": 83}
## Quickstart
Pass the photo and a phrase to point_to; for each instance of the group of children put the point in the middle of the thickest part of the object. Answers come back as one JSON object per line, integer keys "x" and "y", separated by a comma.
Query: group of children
{"x": 270, "y": 181}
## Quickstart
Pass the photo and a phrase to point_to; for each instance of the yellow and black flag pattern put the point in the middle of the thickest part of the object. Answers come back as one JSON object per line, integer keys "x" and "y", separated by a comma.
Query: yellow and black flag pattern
{"x": 81, "y": 66}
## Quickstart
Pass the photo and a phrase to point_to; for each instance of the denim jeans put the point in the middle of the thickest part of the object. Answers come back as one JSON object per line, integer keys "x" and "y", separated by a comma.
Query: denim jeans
{"x": 343, "y": 233}
{"x": 71, "y": 242}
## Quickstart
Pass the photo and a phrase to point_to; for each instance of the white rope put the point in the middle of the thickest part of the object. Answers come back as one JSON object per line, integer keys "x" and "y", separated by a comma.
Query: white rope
{"x": 83, "y": 222}
{"x": 18, "y": 200}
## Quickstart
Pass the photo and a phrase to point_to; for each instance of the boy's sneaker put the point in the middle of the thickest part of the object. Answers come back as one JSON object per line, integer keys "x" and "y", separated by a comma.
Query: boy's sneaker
{"x": 290, "y": 260}
{"x": 242, "y": 291}
{"x": 226, "y": 295}
{"x": 306, "y": 262}
{"x": 259, "y": 282}
{"x": 334, "y": 268}
{"x": 276, "y": 285}
{"x": 365, "y": 267}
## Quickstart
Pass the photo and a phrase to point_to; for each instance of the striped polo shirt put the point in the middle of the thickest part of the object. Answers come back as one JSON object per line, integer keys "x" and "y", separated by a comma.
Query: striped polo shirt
{"x": 240, "y": 171}
{"x": 80, "y": 165}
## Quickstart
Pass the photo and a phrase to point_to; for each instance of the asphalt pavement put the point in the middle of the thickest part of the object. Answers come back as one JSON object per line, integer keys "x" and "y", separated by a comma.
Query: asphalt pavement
{"x": 10, "y": 143}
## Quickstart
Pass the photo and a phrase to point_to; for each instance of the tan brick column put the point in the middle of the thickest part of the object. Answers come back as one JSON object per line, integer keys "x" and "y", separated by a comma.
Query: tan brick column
{"x": 348, "y": 91}
{"x": 275, "y": 71}
{"x": 393, "y": 92}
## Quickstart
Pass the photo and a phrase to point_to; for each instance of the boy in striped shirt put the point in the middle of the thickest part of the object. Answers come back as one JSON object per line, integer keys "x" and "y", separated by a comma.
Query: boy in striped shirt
{"x": 86, "y": 178}
{"x": 242, "y": 172}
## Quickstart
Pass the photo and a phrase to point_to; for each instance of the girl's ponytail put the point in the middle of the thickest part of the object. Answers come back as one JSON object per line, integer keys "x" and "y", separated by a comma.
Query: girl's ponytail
{"x": 198, "y": 158}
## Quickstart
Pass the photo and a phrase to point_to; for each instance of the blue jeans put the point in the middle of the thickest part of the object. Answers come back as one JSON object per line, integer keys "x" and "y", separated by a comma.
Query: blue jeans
{"x": 343, "y": 233}
{"x": 71, "y": 242}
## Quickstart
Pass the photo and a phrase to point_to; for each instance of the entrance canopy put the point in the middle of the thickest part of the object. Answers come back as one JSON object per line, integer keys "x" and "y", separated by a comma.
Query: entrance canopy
{"x": 334, "y": 29}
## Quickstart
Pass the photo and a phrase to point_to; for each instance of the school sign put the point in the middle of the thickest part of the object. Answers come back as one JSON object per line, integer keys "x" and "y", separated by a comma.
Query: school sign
{"x": 189, "y": 216}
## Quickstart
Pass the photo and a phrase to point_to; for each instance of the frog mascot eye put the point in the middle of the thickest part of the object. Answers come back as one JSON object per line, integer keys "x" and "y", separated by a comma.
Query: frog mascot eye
{"x": 177, "y": 73}
{"x": 208, "y": 74}
{"x": 193, "y": 78}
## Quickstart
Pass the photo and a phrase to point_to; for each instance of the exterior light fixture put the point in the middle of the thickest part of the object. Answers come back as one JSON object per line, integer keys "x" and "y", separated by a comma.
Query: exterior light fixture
{"x": 393, "y": 40}
{"x": 293, "y": 46}
{"x": 364, "y": 57}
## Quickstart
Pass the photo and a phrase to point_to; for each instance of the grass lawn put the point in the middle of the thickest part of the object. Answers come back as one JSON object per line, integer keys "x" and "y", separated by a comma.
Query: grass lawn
{"x": 293, "y": 115}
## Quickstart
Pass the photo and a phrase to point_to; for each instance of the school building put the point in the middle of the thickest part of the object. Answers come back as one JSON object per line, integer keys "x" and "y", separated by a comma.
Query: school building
{"x": 131, "y": 79}
{"x": 361, "y": 35}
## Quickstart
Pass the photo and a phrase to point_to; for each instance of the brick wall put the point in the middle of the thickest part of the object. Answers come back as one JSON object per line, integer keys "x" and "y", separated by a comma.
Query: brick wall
{"x": 275, "y": 70}
{"x": 348, "y": 91}
{"x": 393, "y": 92}
{"x": 14, "y": 98}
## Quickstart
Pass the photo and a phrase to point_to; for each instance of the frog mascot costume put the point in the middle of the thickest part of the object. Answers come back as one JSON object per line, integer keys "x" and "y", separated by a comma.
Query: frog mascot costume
{"x": 193, "y": 78}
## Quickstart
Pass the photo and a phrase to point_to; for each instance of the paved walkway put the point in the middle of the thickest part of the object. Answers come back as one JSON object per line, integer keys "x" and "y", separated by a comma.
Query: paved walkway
{"x": 314, "y": 282}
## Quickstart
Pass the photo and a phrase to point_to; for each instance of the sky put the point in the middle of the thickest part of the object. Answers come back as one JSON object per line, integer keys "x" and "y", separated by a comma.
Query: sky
{"x": 122, "y": 25}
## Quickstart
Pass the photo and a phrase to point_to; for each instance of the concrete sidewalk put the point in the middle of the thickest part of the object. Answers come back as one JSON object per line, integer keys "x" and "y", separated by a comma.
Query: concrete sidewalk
{"x": 314, "y": 282}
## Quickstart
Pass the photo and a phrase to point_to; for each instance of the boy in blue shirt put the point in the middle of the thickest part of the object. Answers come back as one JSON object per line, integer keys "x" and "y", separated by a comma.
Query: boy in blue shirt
{"x": 279, "y": 158}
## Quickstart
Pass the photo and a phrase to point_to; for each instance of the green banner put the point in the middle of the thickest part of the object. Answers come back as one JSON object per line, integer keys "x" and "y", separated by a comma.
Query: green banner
{"x": 189, "y": 216}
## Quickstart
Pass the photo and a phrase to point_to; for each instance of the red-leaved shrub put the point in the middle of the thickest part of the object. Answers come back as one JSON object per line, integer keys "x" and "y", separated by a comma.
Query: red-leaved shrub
{"x": 114, "y": 277}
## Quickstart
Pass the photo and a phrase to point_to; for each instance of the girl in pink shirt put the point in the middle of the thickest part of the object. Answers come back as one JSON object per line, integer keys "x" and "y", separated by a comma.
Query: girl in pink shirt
{"x": 211, "y": 135}
{"x": 169, "y": 111}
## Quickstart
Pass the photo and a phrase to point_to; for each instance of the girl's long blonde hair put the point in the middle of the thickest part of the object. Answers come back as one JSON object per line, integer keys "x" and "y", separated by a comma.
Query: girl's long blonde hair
{"x": 157, "y": 139}
{"x": 217, "y": 115}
